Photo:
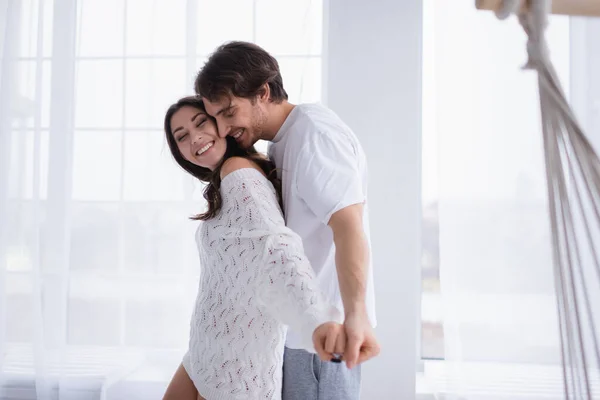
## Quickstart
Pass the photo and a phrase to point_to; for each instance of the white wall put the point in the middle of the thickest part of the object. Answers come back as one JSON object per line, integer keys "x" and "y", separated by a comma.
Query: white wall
{"x": 372, "y": 79}
{"x": 585, "y": 83}
{"x": 585, "y": 100}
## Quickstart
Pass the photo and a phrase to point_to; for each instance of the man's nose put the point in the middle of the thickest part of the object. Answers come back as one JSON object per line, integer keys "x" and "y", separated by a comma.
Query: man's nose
{"x": 223, "y": 128}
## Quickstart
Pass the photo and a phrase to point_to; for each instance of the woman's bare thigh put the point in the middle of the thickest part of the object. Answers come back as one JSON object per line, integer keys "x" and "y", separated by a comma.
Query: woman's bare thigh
{"x": 181, "y": 387}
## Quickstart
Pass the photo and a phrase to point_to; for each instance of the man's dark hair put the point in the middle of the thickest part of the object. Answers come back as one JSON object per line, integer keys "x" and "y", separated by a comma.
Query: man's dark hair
{"x": 240, "y": 69}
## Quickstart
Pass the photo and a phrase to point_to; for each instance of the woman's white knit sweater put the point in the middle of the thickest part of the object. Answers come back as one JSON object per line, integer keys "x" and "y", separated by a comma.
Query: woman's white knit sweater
{"x": 255, "y": 280}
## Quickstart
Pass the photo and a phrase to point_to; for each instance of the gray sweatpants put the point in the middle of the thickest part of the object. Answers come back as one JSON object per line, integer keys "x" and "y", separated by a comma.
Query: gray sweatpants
{"x": 306, "y": 377}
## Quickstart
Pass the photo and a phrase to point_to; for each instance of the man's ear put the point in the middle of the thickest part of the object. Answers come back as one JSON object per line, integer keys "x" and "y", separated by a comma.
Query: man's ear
{"x": 264, "y": 93}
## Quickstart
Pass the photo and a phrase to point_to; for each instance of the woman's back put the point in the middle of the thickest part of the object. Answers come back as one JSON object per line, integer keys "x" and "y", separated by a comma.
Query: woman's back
{"x": 236, "y": 339}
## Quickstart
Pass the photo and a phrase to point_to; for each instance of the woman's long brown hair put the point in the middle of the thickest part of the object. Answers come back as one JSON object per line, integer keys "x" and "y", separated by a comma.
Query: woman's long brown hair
{"x": 212, "y": 194}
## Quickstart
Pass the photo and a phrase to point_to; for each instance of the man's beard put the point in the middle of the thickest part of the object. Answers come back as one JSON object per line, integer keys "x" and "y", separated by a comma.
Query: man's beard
{"x": 258, "y": 123}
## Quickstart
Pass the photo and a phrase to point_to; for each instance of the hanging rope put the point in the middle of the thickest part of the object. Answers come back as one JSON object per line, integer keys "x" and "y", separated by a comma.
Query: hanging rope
{"x": 573, "y": 179}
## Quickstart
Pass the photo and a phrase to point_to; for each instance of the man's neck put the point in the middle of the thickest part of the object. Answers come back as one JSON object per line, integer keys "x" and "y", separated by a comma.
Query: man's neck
{"x": 278, "y": 113}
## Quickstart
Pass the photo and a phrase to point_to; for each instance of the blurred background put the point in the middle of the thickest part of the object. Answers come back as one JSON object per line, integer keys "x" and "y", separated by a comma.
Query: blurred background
{"x": 98, "y": 265}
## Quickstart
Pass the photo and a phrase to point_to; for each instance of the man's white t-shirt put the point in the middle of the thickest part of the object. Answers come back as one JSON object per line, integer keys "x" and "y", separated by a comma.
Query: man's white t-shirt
{"x": 323, "y": 169}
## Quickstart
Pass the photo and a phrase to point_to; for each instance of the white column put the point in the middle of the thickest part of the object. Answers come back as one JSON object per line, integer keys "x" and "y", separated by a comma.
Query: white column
{"x": 372, "y": 79}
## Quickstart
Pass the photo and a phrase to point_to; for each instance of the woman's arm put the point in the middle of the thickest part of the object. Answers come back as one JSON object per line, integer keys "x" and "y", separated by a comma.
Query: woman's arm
{"x": 287, "y": 288}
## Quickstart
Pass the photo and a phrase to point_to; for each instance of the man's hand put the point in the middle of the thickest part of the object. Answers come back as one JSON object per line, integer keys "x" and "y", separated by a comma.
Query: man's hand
{"x": 361, "y": 344}
{"x": 329, "y": 339}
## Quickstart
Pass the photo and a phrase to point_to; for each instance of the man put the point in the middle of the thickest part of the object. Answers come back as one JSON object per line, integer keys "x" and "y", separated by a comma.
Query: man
{"x": 324, "y": 184}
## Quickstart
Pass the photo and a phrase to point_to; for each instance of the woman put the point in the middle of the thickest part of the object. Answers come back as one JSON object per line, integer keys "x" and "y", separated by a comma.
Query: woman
{"x": 255, "y": 277}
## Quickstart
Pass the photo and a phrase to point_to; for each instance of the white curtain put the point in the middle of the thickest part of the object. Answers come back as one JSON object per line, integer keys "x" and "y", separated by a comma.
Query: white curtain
{"x": 497, "y": 297}
{"x": 98, "y": 268}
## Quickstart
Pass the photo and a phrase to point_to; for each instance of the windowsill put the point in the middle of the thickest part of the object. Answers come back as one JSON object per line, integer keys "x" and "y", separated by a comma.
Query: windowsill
{"x": 86, "y": 372}
{"x": 144, "y": 375}
{"x": 121, "y": 373}
{"x": 495, "y": 381}
{"x": 423, "y": 389}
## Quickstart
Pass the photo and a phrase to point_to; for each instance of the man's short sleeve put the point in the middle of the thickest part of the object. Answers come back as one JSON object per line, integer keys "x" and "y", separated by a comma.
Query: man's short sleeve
{"x": 327, "y": 177}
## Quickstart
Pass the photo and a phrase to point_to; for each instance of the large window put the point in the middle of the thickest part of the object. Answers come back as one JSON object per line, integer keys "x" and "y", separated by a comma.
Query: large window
{"x": 485, "y": 220}
{"x": 132, "y": 261}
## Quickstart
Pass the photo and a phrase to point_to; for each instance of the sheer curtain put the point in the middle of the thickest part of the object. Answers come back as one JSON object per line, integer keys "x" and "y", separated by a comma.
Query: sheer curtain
{"x": 98, "y": 268}
{"x": 498, "y": 304}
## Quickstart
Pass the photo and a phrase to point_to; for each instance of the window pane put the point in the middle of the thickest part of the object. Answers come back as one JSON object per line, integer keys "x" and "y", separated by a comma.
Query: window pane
{"x": 29, "y": 27}
{"x": 97, "y": 165}
{"x": 156, "y": 27}
{"x": 100, "y": 23}
{"x": 152, "y": 86}
{"x": 160, "y": 238}
{"x": 94, "y": 321}
{"x": 221, "y": 21}
{"x": 19, "y": 246}
{"x": 301, "y": 78}
{"x": 200, "y": 61}
{"x": 28, "y": 152}
{"x": 19, "y": 307}
{"x": 48, "y": 33}
{"x": 29, "y": 105}
{"x": 132, "y": 238}
{"x": 95, "y": 238}
{"x": 301, "y": 20}
{"x": 99, "y": 94}
{"x": 163, "y": 323}
{"x": 150, "y": 172}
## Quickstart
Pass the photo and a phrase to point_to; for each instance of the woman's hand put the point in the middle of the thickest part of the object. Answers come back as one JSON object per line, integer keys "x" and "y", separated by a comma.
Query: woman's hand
{"x": 329, "y": 340}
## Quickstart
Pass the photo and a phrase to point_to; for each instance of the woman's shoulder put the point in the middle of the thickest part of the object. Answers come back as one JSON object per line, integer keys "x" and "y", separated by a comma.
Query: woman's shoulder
{"x": 237, "y": 163}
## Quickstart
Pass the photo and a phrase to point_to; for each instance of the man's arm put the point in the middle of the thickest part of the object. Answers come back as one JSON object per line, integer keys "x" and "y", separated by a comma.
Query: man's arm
{"x": 351, "y": 257}
{"x": 332, "y": 188}
{"x": 352, "y": 263}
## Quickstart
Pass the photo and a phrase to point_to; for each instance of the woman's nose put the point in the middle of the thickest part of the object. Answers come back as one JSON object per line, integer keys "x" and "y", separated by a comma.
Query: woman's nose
{"x": 196, "y": 136}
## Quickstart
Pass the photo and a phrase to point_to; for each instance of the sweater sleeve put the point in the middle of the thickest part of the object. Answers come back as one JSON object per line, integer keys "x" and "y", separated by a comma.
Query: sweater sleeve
{"x": 287, "y": 287}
